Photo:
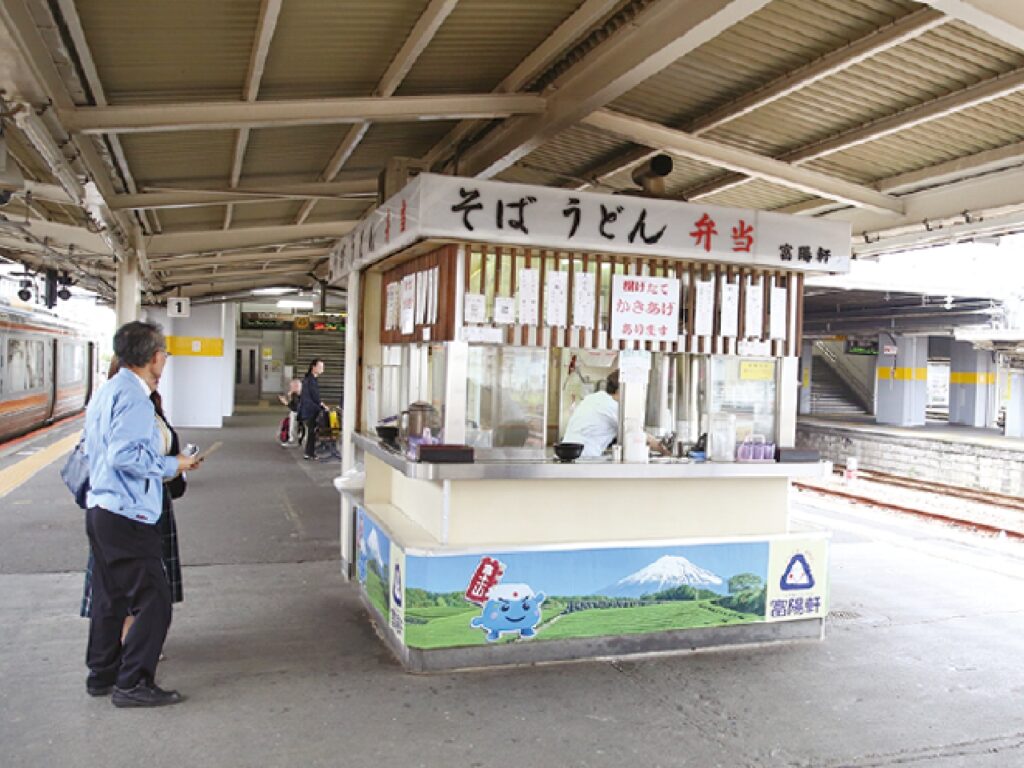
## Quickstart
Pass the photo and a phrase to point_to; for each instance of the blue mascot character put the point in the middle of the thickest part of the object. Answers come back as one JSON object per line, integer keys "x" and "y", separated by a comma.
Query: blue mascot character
{"x": 510, "y": 608}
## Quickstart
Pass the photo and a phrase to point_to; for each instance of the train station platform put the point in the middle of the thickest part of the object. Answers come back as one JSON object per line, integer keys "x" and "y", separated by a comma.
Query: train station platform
{"x": 937, "y": 452}
{"x": 274, "y": 650}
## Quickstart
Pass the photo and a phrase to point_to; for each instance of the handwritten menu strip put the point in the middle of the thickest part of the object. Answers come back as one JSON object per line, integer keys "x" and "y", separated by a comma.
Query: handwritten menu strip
{"x": 704, "y": 309}
{"x": 475, "y": 310}
{"x": 777, "y": 313}
{"x": 556, "y": 299}
{"x": 408, "y": 304}
{"x": 730, "y": 309}
{"x": 529, "y": 296}
{"x": 754, "y": 309}
{"x": 391, "y": 307}
{"x": 584, "y": 293}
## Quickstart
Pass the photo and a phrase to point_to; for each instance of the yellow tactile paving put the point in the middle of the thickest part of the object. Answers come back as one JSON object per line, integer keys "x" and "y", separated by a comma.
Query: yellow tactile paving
{"x": 17, "y": 474}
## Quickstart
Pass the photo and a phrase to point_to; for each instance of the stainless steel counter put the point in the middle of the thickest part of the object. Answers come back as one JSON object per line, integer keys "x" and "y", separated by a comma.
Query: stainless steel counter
{"x": 582, "y": 469}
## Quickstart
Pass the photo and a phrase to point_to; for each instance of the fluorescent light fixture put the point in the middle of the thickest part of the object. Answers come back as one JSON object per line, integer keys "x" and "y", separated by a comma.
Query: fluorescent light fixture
{"x": 295, "y": 303}
{"x": 271, "y": 291}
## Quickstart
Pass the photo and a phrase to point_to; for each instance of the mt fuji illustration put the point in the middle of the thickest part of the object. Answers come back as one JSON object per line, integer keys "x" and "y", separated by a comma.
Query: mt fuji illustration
{"x": 664, "y": 573}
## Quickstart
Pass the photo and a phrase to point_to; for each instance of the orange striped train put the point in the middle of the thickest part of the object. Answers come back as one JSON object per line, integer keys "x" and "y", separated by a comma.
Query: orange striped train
{"x": 48, "y": 368}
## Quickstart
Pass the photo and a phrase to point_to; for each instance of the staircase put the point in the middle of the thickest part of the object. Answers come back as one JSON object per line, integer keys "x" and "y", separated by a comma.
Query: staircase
{"x": 829, "y": 393}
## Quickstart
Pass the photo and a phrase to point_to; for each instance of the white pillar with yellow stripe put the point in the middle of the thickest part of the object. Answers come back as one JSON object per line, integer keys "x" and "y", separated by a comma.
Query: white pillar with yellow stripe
{"x": 972, "y": 385}
{"x": 902, "y": 380}
{"x": 192, "y": 385}
{"x": 1013, "y": 399}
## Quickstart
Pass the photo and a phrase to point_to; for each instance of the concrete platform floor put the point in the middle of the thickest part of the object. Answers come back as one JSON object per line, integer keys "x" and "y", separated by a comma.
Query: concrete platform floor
{"x": 921, "y": 665}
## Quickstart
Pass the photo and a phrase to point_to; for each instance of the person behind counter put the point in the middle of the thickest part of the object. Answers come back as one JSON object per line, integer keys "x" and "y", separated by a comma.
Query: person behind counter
{"x": 595, "y": 421}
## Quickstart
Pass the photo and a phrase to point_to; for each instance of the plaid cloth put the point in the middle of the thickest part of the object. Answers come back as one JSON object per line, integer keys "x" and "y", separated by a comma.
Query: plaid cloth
{"x": 170, "y": 559}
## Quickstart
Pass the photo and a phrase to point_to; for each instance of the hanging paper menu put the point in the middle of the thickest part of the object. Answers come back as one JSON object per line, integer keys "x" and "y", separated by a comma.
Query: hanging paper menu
{"x": 475, "y": 308}
{"x": 754, "y": 309}
{"x": 407, "y": 306}
{"x": 583, "y": 299}
{"x": 704, "y": 308}
{"x": 556, "y": 299}
{"x": 435, "y": 288}
{"x": 504, "y": 310}
{"x": 730, "y": 314}
{"x": 529, "y": 296}
{"x": 391, "y": 307}
{"x": 777, "y": 313}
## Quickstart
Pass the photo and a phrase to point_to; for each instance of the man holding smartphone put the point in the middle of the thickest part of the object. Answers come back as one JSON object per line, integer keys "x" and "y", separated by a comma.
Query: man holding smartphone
{"x": 126, "y": 473}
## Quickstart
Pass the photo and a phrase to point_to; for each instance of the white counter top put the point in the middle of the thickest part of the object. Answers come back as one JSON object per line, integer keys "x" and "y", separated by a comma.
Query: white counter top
{"x": 585, "y": 469}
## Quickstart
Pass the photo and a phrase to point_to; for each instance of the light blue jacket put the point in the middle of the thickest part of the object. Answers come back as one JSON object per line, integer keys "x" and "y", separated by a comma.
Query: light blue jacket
{"x": 125, "y": 450}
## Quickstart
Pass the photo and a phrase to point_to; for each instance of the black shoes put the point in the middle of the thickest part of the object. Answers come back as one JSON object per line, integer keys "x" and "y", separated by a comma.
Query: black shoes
{"x": 145, "y": 695}
{"x": 96, "y": 689}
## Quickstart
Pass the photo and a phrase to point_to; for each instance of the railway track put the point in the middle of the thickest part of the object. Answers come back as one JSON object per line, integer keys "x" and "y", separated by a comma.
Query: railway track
{"x": 969, "y": 494}
{"x": 978, "y": 497}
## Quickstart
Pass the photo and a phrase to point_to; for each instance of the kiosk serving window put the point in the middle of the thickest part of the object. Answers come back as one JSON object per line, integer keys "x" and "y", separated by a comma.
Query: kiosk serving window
{"x": 745, "y": 387}
{"x": 506, "y": 395}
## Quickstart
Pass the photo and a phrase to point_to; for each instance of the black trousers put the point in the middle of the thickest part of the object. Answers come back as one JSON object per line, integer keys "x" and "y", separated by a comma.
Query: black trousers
{"x": 127, "y": 580}
{"x": 311, "y": 435}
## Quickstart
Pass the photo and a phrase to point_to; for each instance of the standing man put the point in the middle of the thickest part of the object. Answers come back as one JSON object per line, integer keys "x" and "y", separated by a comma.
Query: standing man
{"x": 126, "y": 473}
{"x": 310, "y": 405}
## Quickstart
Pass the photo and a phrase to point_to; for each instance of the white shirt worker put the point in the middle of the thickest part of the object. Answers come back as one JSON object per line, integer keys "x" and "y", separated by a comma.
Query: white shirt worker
{"x": 594, "y": 423}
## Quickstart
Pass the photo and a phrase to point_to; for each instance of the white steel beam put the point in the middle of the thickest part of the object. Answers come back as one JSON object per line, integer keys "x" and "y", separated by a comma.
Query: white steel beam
{"x": 264, "y": 257}
{"x": 214, "y": 287}
{"x": 751, "y": 163}
{"x": 187, "y": 277}
{"x": 994, "y": 88}
{"x": 898, "y": 32}
{"x": 555, "y": 45}
{"x": 419, "y": 38}
{"x": 265, "y": 26}
{"x": 658, "y": 36}
{"x": 191, "y": 198}
{"x": 955, "y": 170}
{"x": 249, "y": 237}
{"x": 273, "y": 114}
{"x": 1001, "y": 19}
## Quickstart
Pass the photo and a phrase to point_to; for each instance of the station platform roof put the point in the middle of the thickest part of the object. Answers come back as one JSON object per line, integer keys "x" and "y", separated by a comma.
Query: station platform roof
{"x": 231, "y": 145}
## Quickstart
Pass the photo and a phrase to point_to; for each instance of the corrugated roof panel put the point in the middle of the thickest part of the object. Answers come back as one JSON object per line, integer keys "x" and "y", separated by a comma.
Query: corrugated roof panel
{"x": 335, "y": 48}
{"x": 573, "y": 151}
{"x": 167, "y": 158}
{"x": 757, "y": 194}
{"x": 914, "y": 73}
{"x": 481, "y": 42}
{"x": 188, "y": 50}
{"x": 303, "y": 150}
{"x": 386, "y": 140}
{"x": 199, "y": 218}
{"x": 341, "y": 210}
{"x": 981, "y": 128}
{"x": 779, "y": 38}
{"x": 265, "y": 214}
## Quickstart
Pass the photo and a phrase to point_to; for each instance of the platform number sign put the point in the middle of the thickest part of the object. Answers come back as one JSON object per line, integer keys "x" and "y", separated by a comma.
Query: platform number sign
{"x": 178, "y": 307}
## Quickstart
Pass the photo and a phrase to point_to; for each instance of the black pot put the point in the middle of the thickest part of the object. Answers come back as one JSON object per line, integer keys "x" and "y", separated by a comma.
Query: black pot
{"x": 387, "y": 433}
{"x": 567, "y": 452}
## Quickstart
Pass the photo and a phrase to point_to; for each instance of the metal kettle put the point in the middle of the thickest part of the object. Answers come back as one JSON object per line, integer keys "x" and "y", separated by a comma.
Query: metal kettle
{"x": 418, "y": 417}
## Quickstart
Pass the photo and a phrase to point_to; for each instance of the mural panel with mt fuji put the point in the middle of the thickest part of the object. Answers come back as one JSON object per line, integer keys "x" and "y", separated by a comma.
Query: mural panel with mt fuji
{"x": 586, "y": 592}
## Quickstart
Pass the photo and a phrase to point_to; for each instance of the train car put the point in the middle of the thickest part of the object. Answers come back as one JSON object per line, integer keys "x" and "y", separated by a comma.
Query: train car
{"x": 48, "y": 369}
